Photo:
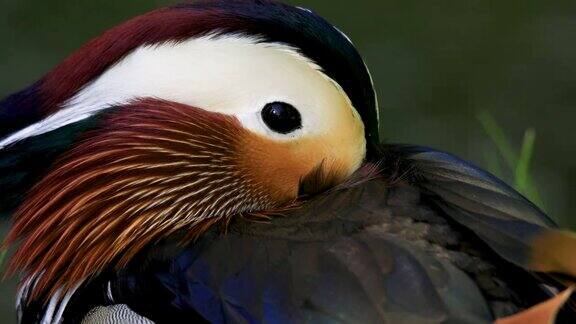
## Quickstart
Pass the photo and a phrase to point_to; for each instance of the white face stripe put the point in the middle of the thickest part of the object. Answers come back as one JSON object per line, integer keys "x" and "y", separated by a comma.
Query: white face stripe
{"x": 232, "y": 74}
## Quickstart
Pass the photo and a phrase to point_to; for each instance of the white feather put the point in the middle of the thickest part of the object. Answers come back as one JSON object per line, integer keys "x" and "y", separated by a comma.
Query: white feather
{"x": 232, "y": 74}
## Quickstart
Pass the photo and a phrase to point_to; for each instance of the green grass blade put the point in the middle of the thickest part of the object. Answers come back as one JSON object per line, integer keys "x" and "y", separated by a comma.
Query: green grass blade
{"x": 499, "y": 138}
{"x": 494, "y": 165}
{"x": 521, "y": 176}
{"x": 519, "y": 165}
{"x": 523, "y": 181}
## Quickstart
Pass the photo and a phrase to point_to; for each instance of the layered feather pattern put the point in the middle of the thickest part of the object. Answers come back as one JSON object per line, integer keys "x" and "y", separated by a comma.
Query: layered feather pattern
{"x": 394, "y": 249}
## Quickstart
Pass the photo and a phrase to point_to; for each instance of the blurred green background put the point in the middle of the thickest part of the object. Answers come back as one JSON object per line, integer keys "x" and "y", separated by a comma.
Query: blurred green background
{"x": 436, "y": 66}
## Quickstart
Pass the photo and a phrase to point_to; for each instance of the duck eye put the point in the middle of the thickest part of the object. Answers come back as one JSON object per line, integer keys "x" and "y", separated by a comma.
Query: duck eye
{"x": 281, "y": 117}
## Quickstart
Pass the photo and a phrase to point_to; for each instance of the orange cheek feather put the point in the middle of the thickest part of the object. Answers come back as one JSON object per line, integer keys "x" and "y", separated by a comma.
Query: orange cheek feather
{"x": 154, "y": 168}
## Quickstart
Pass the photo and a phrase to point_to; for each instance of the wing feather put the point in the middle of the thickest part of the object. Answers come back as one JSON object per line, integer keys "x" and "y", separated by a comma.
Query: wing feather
{"x": 508, "y": 222}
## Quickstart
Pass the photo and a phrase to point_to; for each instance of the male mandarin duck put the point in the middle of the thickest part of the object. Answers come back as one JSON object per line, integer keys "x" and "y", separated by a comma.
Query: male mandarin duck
{"x": 219, "y": 161}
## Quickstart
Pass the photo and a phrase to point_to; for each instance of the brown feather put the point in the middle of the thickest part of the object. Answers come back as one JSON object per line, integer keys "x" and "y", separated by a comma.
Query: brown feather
{"x": 154, "y": 169}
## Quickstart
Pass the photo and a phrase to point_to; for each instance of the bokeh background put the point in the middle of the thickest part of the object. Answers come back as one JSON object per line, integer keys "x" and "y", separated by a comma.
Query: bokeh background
{"x": 436, "y": 66}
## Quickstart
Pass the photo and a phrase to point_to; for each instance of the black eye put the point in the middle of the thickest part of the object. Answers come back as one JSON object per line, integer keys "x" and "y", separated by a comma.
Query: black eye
{"x": 281, "y": 117}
